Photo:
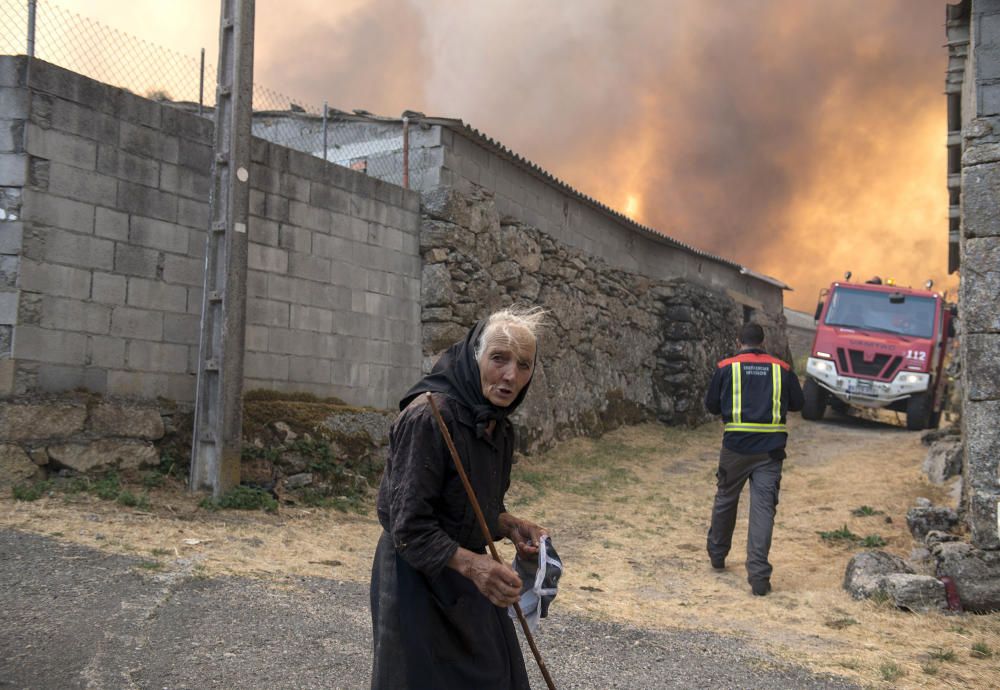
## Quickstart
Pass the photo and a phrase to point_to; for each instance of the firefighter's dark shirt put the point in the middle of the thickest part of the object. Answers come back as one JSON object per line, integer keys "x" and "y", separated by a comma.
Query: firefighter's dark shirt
{"x": 756, "y": 399}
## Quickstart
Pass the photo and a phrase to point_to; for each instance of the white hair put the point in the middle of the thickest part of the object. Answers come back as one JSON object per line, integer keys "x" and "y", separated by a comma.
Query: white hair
{"x": 509, "y": 326}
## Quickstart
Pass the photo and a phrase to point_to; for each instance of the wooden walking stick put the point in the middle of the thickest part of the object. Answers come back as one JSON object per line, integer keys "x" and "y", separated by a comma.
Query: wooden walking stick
{"x": 488, "y": 537}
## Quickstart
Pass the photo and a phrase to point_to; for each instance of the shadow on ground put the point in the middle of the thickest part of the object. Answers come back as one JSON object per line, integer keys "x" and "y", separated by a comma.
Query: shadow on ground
{"x": 74, "y": 617}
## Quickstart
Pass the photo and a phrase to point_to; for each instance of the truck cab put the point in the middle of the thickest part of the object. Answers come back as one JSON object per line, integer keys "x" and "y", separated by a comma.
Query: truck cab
{"x": 879, "y": 345}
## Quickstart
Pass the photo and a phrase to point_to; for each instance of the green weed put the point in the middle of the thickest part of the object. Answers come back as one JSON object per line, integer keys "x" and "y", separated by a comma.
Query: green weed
{"x": 865, "y": 511}
{"x": 980, "y": 650}
{"x": 839, "y": 535}
{"x": 30, "y": 492}
{"x": 940, "y": 654}
{"x": 127, "y": 498}
{"x": 107, "y": 487}
{"x": 242, "y": 498}
{"x": 891, "y": 671}
{"x": 930, "y": 668}
{"x": 153, "y": 480}
{"x": 873, "y": 541}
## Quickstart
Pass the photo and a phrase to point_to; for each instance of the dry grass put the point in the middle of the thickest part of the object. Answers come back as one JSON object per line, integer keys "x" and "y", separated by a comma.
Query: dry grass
{"x": 628, "y": 514}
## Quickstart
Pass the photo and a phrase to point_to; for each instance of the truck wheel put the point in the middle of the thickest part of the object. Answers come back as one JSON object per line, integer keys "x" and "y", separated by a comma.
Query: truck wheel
{"x": 815, "y": 401}
{"x": 918, "y": 411}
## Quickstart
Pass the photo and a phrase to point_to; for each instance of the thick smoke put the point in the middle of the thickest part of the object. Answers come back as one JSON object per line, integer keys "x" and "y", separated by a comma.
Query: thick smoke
{"x": 799, "y": 138}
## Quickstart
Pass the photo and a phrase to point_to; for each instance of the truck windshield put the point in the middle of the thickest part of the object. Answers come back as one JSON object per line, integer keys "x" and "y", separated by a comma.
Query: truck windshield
{"x": 872, "y": 310}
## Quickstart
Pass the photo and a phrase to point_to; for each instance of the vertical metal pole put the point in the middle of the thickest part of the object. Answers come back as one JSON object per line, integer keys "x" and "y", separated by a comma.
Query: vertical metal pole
{"x": 326, "y": 114}
{"x": 218, "y": 422}
{"x": 32, "y": 6}
{"x": 406, "y": 152}
{"x": 201, "y": 84}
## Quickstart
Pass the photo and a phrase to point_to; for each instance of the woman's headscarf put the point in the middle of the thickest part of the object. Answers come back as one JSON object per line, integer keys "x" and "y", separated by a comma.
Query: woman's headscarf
{"x": 456, "y": 374}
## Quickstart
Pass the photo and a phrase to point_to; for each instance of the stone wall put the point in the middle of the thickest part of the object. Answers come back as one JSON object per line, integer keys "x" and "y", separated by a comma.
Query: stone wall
{"x": 620, "y": 348}
{"x": 79, "y": 432}
{"x": 979, "y": 244}
{"x": 980, "y": 340}
{"x": 103, "y": 212}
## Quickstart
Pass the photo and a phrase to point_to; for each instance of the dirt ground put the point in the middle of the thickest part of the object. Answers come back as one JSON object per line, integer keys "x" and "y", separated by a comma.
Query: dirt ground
{"x": 628, "y": 514}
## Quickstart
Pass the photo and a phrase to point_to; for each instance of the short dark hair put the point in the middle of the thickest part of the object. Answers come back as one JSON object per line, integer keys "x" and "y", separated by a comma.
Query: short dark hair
{"x": 752, "y": 334}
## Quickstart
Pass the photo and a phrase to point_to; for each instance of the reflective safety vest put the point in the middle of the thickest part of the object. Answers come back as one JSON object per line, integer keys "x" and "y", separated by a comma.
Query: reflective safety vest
{"x": 753, "y": 402}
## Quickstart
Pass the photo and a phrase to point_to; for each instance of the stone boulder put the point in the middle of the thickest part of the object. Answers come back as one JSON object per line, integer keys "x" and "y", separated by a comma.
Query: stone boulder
{"x": 922, "y": 520}
{"x": 15, "y": 466}
{"x": 40, "y": 420}
{"x": 108, "y": 419}
{"x": 448, "y": 205}
{"x": 976, "y": 574}
{"x": 866, "y": 572}
{"x": 104, "y": 454}
{"x": 944, "y": 460}
{"x": 298, "y": 481}
{"x": 917, "y": 593}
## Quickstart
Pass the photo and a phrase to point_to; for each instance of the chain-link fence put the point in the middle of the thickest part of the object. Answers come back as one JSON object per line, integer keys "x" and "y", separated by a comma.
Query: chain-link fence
{"x": 366, "y": 143}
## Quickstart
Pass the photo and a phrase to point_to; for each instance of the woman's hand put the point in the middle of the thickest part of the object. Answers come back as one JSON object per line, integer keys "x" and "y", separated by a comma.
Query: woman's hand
{"x": 496, "y": 581}
{"x": 525, "y": 535}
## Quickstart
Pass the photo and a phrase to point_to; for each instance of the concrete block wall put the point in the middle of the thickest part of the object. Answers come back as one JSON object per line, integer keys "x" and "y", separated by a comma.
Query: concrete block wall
{"x": 13, "y": 173}
{"x": 334, "y": 285}
{"x": 110, "y": 192}
{"x": 535, "y": 201}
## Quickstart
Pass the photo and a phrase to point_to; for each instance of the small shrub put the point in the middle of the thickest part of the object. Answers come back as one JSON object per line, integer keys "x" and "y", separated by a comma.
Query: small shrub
{"x": 940, "y": 654}
{"x": 152, "y": 480}
{"x": 930, "y": 668}
{"x": 981, "y": 651}
{"x": 150, "y": 565}
{"x": 169, "y": 463}
{"x": 30, "y": 492}
{"x": 242, "y": 498}
{"x": 107, "y": 487}
{"x": 127, "y": 498}
{"x": 160, "y": 552}
{"x": 891, "y": 671}
{"x": 873, "y": 541}
{"x": 75, "y": 485}
{"x": 865, "y": 511}
{"x": 209, "y": 503}
{"x": 837, "y": 535}
{"x": 881, "y": 598}
{"x": 840, "y": 623}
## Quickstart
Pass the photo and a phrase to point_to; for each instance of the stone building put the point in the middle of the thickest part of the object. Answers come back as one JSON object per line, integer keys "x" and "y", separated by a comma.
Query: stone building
{"x": 973, "y": 93}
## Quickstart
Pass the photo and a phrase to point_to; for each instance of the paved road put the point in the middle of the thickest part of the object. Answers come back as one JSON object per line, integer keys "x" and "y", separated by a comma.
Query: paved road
{"x": 73, "y": 617}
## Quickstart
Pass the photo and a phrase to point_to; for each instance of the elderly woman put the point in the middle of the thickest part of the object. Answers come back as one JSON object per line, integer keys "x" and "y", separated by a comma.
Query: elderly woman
{"x": 437, "y": 599}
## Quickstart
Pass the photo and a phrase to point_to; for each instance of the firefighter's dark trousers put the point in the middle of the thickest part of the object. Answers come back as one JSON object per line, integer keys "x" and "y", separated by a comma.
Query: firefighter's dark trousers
{"x": 764, "y": 474}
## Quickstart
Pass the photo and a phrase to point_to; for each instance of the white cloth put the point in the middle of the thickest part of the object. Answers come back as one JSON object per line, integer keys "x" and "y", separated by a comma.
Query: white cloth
{"x": 539, "y": 582}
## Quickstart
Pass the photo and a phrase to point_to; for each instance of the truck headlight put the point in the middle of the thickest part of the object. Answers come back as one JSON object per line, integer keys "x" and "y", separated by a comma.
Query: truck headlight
{"x": 911, "y": 378}
{"x": 823, "y": 366}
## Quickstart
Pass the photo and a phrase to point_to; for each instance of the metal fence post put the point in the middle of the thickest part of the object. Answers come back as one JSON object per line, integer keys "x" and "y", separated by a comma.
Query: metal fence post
{"x": 326, "y": 114}
{"x": 32, "y": 6}
{"x": 406, "y": 152}
{"x": 201, "y": 83}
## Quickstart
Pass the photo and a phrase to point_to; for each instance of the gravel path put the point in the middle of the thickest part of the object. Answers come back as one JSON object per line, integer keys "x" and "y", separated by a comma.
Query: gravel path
{"x": 73, "y": 617}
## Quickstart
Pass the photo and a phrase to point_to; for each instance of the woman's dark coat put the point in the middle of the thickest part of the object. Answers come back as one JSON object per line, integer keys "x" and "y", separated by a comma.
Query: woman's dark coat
{"x": 432, "y": 627}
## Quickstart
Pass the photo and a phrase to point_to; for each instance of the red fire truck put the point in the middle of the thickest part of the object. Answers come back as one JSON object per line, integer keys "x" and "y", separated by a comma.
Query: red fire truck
{"x": 879, "y": 345}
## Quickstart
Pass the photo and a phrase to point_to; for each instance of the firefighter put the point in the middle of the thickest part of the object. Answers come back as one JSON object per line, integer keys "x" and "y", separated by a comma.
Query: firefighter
{"x": 753, "y": 392}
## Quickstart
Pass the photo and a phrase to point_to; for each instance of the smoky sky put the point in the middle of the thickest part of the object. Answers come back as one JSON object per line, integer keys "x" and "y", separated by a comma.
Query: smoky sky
{"x": 800, "y": 138}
